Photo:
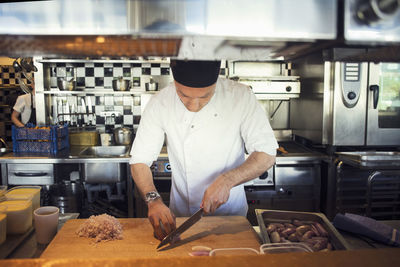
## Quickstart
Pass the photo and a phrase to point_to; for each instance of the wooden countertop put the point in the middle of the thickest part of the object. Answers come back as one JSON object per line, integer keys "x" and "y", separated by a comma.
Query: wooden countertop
{"x": 364, "y": 258}
{"x": 138, "y": 239}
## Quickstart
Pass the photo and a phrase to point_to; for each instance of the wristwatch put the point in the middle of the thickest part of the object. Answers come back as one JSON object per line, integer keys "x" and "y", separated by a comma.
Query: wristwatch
{"x": 151, "y": 196}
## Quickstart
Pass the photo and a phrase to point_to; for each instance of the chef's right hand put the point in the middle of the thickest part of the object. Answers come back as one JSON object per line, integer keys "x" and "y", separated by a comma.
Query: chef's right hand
{"x": 162, "y": 218}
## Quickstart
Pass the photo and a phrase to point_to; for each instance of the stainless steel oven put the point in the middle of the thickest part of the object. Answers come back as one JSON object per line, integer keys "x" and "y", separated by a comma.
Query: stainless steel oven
{"x": 347, "y": 103}
{"x": 383, "y": 105}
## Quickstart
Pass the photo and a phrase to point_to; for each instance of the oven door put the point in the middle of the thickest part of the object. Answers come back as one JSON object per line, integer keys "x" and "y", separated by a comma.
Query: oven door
{"x": 383, "y": 124}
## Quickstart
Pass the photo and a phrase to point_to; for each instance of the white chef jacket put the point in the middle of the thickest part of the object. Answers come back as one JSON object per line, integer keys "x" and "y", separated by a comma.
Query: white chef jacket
{"x": 24, "y": 107}
{"x": 202, "y": 145}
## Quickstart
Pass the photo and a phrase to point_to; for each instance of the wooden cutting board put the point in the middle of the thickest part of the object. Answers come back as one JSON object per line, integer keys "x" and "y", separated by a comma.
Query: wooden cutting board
{"x": 211, "y": 231}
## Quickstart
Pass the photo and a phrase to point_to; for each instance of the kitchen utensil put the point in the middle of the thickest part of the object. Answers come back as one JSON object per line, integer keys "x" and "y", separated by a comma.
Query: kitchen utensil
{"x": 84, "y": 138}
{"x": 46, "y": 222}
{"x": 67, "y": 111}
{"x": 73, "y": 116}
{"x": 83, "y": 110}
{"x": 55, "y": 113}
{"x": 120, "y": 84}
{"x": 64, "y": 84}
{"x": 152, "y": 85}
{"x": 60, "y": 118}
{"x": 90, "y": 116}
{"x": 122, "y": 136}
{"x": 27, "y": 64}
{"x": 233, "y": 251}
{"x": 265, "y": 216}
{"x": 182, "y": 228}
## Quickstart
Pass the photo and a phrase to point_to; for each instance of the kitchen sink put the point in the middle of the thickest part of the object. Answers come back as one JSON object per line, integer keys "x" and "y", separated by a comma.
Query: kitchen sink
{"x": 105, "y": 151}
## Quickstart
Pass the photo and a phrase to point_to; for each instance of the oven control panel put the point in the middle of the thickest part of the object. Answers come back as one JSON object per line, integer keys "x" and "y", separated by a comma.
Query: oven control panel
{"x": 161, "y": 169}
{"x": 266, "y": 179}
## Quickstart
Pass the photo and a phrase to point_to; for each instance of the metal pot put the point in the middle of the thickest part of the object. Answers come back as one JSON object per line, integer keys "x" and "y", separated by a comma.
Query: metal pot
{"x": 120, "y": 84}
{"x": 64, "y": 84}
{"x": 151, "y": 86}
{"x": 122, "y": 136}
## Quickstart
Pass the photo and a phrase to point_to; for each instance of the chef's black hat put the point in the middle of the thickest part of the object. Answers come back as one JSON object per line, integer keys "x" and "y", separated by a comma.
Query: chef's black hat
{"x": 195, "y": 73}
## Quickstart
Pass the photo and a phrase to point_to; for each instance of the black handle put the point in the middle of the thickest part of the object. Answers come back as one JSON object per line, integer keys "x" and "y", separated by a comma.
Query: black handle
{"x": 375, "y": 89}
{"x": 30, "y": 174}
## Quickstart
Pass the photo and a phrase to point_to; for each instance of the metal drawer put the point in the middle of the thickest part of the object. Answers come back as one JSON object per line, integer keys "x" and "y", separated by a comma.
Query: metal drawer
{"x": 104, "y": 172}
{"x": 30, "y": 174}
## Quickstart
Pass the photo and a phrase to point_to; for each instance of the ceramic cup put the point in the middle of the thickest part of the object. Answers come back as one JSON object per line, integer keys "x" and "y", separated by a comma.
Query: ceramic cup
{"x": 46, "y": 222}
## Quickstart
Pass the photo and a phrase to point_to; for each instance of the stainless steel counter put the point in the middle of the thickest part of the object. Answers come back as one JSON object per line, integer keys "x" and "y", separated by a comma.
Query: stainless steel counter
{"x": 73, "y": 155}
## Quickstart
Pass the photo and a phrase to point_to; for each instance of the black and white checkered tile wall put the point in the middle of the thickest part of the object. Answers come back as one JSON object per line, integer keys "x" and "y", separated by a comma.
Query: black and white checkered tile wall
{"x": 8, "y": 94}
{"x": 8, "y": 76}
{"x": 101, "y": 75}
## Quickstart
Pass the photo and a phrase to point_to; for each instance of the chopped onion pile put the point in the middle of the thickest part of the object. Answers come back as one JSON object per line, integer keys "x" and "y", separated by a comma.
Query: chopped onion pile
{"x": 102, "y": 228}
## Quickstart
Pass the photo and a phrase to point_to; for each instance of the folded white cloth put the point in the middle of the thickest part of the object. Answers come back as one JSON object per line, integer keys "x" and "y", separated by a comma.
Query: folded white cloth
{"x": 368, "y": 227}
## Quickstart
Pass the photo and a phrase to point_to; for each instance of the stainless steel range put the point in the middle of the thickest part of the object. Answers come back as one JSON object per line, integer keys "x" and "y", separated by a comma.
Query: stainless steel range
{"x": 294, "y": 182}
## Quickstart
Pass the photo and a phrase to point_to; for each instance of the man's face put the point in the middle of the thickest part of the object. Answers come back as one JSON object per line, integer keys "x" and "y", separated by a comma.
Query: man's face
{"x": 194, "y": 99}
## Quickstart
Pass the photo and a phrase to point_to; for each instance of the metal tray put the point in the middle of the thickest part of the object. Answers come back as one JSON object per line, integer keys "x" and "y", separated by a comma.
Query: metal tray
{"x": 371, "y": 155}
{"x": 281, "y": 216}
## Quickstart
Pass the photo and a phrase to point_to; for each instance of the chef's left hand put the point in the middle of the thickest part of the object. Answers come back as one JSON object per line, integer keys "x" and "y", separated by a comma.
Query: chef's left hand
{"x": 215, "y": 195}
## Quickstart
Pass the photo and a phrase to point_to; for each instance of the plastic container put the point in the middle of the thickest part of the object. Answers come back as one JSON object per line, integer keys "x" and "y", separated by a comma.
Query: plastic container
{"x": 3, "y": 224}
{"x": 233, "y": 251}
{"x": 275, "y": 248}
{"x": 25, "y": 193}
{"x": 46, "y": 139}
{"x": 87, "y": 138}
{"x": 19, "y": 215}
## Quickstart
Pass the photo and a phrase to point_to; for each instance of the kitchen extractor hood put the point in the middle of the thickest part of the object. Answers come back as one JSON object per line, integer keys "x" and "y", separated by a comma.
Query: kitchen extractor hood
{"x": 193, "y": 29}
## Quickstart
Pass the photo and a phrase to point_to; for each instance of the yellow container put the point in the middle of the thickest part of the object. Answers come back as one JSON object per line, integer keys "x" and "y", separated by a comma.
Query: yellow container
{"x": 3, "y": 224}
{"x": 19, "y": 215}
{"x": 84, "y": 138}
{"x": 25, "y": 193}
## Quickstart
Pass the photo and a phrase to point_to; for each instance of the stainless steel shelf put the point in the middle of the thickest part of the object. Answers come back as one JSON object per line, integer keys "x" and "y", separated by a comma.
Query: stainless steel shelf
{"x": 105, "y": 92}
{"x": 60, "y": 60}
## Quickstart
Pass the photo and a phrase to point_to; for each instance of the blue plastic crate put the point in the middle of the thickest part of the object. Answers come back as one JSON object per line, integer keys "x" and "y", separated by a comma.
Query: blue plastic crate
{"x": 48, "y": 141}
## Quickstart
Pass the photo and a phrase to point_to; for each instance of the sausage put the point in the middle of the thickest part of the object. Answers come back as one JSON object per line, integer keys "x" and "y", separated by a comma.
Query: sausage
{"x": 314, "y": 229}
{"x": 308, "y": 235}
{"x": 288, "y": 231}
{"x": 275, "y": 238}
{"x": 271, "y": 228}
{"x": 289, "y": 225}
{"x": 293, "y": 237}
{"x": 301, "y": 230}
{"x": 321, "y": 229}
{"x": 278, "y": 225}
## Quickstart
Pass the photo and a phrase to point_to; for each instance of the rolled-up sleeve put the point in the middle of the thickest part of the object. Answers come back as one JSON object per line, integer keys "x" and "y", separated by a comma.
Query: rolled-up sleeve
{"x": 19, "y": 104}
{"x": 149, "y": 137}
{"x": 255, "y": 128}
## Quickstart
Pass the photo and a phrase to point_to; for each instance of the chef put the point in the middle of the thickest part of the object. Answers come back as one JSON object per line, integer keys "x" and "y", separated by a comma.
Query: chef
{"x": 209, "y": 123}
{"x": 24, "y": 107}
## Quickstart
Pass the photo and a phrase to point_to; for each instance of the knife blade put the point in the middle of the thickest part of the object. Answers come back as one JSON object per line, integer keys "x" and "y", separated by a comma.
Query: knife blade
{"x": 182, "y": 228}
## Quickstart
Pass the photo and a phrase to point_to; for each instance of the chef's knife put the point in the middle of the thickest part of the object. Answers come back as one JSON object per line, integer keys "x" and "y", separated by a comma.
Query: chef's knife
{"x": 182, "y": 228}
